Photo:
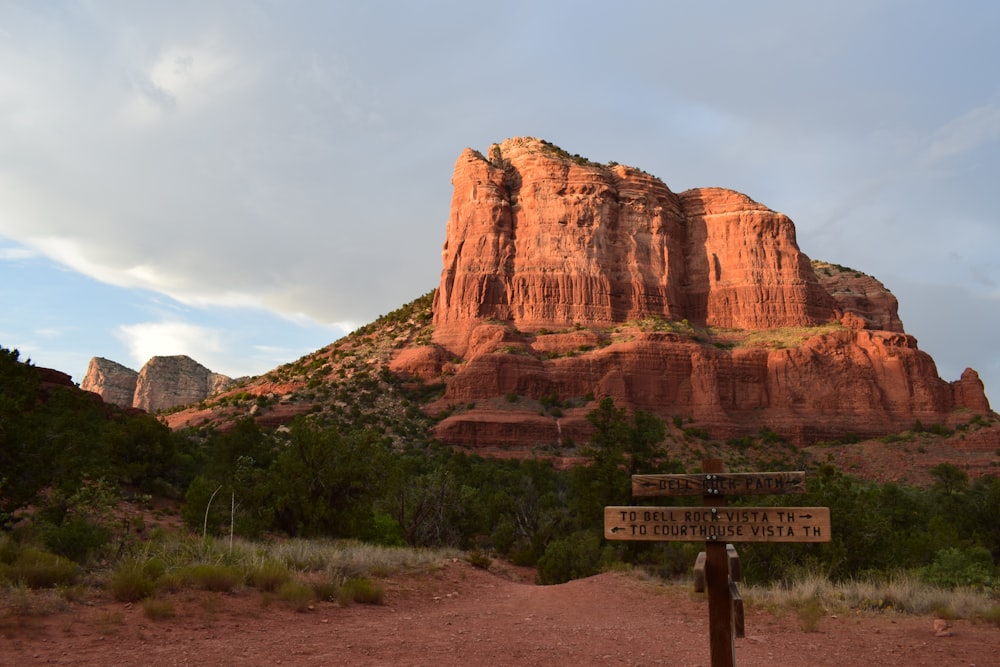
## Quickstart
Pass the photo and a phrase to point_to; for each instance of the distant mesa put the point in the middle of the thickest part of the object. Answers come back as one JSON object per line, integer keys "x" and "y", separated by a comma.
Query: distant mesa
{"x": 162, "y": 384}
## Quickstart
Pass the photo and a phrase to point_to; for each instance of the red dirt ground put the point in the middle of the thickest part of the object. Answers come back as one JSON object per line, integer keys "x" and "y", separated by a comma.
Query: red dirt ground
{"x": 460, "y": 615}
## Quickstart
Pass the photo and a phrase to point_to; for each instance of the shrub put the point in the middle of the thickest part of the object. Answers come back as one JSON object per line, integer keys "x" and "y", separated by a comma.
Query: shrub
{"x": 361, "y": 589}
{"x": 326, "y": 590}
{"x": 479, "y": 559}
{"x": 954, "y": 567}
{"x": 36, "y": 568}
{"x": 76, "y": 538}
{"x": 131, "y": 582}
{"x": 810, "y": 612}
{"x": 991, "y": 615}
{"x": 10, "y": 549}
{"x": 385, "y": 531}
{"x": 573, "y": 557}
{"x": 269, "y": 576}
{"x": 218, "y": 578}
{"x": 296, "y": 594}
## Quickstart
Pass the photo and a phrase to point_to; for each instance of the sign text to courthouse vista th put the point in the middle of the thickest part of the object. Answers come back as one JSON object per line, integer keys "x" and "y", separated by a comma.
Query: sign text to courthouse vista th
{"x": 709, "y": 524}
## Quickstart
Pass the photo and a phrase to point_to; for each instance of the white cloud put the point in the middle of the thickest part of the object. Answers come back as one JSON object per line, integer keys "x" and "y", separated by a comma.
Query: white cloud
{"x": 16, "y": 254}
{"x": 151, "y": 339}
{"x": 93, "y": 261}
{"x": 972, "y": 129}
{"x": 50, "y": 332}
{"x": 77, "y": 255}
{"x": 186, "y": 79}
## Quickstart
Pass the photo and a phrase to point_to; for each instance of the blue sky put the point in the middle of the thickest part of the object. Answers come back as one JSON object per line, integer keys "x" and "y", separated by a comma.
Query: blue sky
{"x": 244, "y": 181}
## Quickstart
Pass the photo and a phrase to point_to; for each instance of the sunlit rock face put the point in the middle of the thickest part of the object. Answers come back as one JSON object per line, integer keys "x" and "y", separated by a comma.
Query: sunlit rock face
{"x": 541, "y": 240}
{"x": 544, "y": 249}
{"x": 111, "y": 381}
{"x": 163, "y": 383}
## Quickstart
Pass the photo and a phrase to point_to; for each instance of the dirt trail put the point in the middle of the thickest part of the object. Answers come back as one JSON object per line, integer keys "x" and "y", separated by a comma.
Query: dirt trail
{"x": 461, "y": 615}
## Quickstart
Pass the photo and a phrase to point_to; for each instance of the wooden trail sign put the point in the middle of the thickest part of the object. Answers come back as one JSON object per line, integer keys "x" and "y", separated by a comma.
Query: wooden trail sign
{"x": 712, "y": 524}
{"x": 716, "y": 524}
{"x": 724, "y": 484}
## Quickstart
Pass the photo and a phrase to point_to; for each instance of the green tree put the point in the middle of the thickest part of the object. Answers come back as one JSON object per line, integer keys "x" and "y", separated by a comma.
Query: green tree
{"x": 573, "y": 557}
{"x": 324, "y": 483}
{"x": 949, "y": 479}
{"x": 619, "y": 448}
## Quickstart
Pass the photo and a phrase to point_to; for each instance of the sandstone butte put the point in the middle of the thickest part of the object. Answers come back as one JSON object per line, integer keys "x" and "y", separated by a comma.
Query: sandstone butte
{"x": 164, "y": 382}
{"x": 575, "y": 280}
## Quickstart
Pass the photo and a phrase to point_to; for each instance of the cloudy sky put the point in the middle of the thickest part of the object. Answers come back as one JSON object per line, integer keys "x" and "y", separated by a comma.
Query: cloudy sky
{"x": 244, "y": 181}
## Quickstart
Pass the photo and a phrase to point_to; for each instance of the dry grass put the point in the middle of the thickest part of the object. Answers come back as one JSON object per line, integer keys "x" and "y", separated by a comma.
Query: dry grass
{"x": 342, "y": 559}
{"x": 19, "y": 600}
{"x": 776, "y": 338}
{"x": 901, "y": 593}
{"x": 296, "y": 572}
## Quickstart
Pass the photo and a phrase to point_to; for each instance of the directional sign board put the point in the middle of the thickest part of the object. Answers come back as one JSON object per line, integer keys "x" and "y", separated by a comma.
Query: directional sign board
{"x": 723, "y": 484}
{"x": 724, "y": 524}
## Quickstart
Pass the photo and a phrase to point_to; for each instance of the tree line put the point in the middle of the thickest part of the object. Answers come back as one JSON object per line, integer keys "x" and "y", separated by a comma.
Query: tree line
{"x": 66, "y": 459}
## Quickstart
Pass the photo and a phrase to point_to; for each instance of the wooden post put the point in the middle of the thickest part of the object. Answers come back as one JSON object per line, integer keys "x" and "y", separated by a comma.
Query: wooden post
{"x": 699, "y": 573}
{"x": 720, "y": 607}
{"x": 739, "y": 621}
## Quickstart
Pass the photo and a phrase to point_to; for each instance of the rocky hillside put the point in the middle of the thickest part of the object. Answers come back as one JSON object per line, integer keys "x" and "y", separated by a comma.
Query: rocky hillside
{"x": 565, "y": 281}
{"x": 163, "y": 382}
{"x": 348, "y": 382}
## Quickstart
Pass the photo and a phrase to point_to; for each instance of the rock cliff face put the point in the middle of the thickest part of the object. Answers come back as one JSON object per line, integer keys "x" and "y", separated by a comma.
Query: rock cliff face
{"x": 539, "y": 241}
{"x": 163, "y": 382}
{"x": 112, "y": 381}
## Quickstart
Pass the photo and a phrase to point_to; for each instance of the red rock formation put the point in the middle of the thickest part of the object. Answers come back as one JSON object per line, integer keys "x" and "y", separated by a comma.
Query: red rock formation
{"x": 542, "y": 240}
{"x": 539, "y": 240}
{"x": 860, "y": 294}
{"x": 865, "y": 383}
{"x": 744, "y": 268}
{"x": 970, "y": 392}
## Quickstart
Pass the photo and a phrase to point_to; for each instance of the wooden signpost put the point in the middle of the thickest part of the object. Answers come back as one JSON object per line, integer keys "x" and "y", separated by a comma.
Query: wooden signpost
{"x": 715, "y": 524}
